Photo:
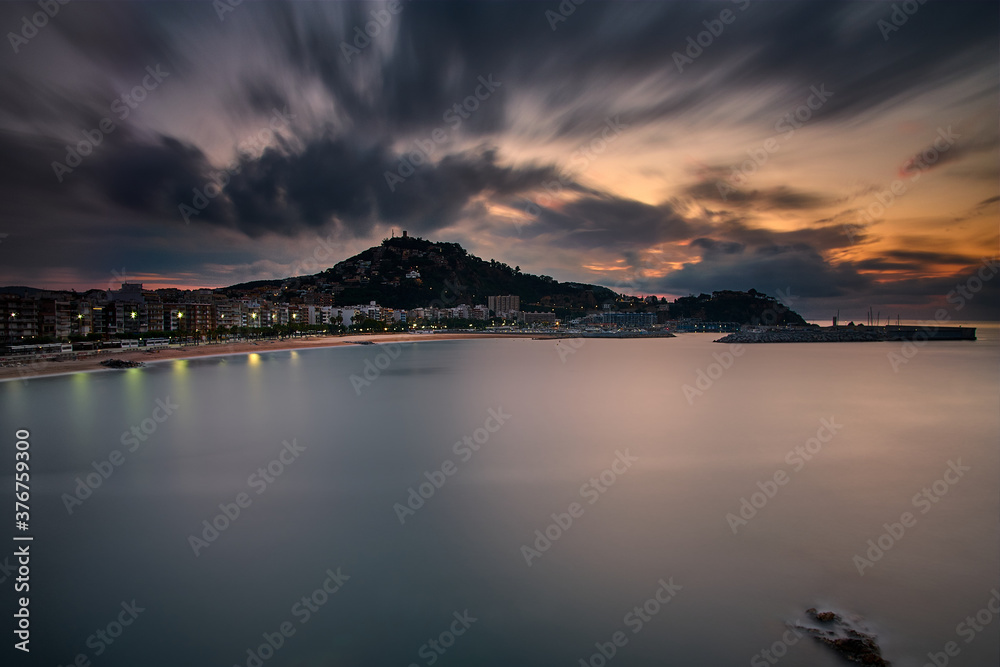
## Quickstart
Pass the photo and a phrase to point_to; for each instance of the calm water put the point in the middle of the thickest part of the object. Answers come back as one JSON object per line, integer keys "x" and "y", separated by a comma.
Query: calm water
{"x": 572, "y": 414}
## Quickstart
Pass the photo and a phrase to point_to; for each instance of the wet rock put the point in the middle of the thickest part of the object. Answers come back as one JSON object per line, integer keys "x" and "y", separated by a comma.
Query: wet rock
{"x": 847, "y": 637}
{"x": 121, "y": 363}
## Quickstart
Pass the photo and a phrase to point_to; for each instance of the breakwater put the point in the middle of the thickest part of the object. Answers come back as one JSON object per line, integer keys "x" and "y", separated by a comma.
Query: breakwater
{"x": 860, "y": 334}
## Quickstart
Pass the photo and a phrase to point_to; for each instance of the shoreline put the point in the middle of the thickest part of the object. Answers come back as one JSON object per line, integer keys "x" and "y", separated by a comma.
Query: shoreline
{"x": 92, "y": 364}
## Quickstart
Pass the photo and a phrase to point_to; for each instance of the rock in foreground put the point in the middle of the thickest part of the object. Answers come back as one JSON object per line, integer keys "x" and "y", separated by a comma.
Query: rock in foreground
{"x": 845, "y": 638}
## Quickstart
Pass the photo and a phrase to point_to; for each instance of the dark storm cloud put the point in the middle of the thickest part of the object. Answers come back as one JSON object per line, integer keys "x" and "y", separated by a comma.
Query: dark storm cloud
{"x": 331, "y": 182}
{"x": 259, "y": 96}
{"x": 116, "y": 36}
{"x": 781, "y": 197}
{"x": 712, "y": 247}
{"x": 820, "y": 235}
{"x": 53, "y": 111}
{"x": 604, "y": 221}
{"x": 335, "y": 179}
{"x": 149, "y": 178}
{"x": 23, "y": 167}
{"x": 798, "y": 268}
{"x": 928, "y": 257}
{"x": 436, "y": 50}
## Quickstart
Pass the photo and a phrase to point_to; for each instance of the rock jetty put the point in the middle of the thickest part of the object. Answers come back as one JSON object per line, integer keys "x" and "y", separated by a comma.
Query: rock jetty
{"x": 845, "y": 637}
{"x": 848, "y": 334}
{"x": 122, "y": 363}
{"x": 804, "y": 335}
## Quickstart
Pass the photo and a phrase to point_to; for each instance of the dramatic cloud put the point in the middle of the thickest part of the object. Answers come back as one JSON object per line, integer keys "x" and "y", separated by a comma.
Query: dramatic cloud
{"x": 664, "y": 147}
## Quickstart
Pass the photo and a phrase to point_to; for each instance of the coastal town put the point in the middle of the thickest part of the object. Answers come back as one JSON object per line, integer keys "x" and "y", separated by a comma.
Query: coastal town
{"x": 47, "y": 322}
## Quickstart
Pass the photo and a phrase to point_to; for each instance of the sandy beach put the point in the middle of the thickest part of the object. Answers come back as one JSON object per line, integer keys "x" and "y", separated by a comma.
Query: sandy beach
{"x": 93, "y": 363}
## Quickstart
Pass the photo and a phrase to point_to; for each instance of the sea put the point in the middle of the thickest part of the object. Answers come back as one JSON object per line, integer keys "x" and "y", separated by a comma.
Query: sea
{"x": 671, "y": 501}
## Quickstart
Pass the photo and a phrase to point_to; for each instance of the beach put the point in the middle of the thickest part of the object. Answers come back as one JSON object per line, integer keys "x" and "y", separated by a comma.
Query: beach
{"x": 93, "y": 362}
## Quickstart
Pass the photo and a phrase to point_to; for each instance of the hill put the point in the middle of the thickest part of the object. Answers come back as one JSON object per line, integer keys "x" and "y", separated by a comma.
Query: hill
{"x": 751, "y": 307}
{"x": 409, "y": 272}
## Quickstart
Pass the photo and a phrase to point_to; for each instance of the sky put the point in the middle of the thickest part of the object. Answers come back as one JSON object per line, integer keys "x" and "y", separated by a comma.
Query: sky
{"x": 844, "y": 153}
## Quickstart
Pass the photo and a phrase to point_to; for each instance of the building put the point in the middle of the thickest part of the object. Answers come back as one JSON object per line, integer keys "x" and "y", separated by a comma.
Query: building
{"x": 189, "y": 318}
{"x": 504, "y": 306}
{"x": 20, "y": 318}
{"x": 54, "y": 318}
{"x": 126, "y": 311}
{"x": 628, "y": 319}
